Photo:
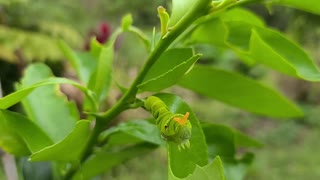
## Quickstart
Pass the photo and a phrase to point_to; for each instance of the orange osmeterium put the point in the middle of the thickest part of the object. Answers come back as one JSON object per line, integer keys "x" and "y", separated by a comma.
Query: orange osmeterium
{"x": 183, "y": 120}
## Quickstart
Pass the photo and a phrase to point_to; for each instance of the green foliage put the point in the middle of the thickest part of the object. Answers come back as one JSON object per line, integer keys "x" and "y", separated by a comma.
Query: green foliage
{"x": 104, "y": 161}
{"x": 52, "y": 129}
{"x": 311, "y": 5}
{"x": 28, "y": 42}
{"x": 126, "y": 22}
{"x": 84, "y": 63}
{"x": 26, "y": 26}
{"x": 100, "y": 80}
{"x": 17, "y": 96}
{"x": 181, "y": 8}
{"x": 73, "y": 142}
{"x": 223, "y": 141}
{"x": 139, "y": 130}
{"x": 215, "y": 168}
{"x": 19, "y": 135}
{"x": 257, "y": 44}
{"x": 46, "y": 106}
{"x": 170, "y": 67}
{"x": 223, "y": 85}
{"x": 13, "y": 39}
{"x": 164, "y": 20}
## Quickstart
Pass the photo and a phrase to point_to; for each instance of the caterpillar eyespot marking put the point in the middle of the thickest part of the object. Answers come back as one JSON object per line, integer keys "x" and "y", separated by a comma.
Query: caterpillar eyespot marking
{"x": 173, "y": 127}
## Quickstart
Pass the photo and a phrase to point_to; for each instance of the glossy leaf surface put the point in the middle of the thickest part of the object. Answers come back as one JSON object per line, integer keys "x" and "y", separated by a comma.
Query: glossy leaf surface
{"x": 68, "y": 149}
{"x": 19, "y": 135}
{"x": 168, "y": 69}
{"x": 239, "y": 91}
{"x": 46, "y": 105}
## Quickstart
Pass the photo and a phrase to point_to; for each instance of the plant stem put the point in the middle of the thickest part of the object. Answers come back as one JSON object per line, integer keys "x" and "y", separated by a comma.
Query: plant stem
{"x": 199, "y": 9}
{"x": 98, "y": 128}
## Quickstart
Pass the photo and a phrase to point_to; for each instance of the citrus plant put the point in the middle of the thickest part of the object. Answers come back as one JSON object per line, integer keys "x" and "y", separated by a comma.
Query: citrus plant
{"x": 51, "y": 128}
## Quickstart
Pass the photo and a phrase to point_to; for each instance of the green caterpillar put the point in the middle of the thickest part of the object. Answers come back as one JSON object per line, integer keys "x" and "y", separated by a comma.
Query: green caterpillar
{"x": 173, "y": 127}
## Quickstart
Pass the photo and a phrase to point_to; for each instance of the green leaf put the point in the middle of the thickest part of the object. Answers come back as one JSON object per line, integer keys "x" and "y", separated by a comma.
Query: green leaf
{"x": 68, "y": 149}
{"x": 126, "y": 22}
{"x": 104, "y": 161}
{"x": 213, "y": 32}
{"x": 19, "y": 135}
{"x": 168, "y": 60}
{"x": 183, "y": 8}
{"x": 121, "y": 138}
{"x": 255, "y": 43}
{"x": 242, "y": 140}
{"x": 83, "y": 62}
{"x": 10, "y": 141}
{"x": 17, "y": 96}
{"x": 309, "y": 5}
{"x": 140, "y": 129}
{"x": 239, "y": 91}
{"x": 179, "y": 9}
{"x": 100, "y": 80}
{"x": 240, "y": 14}
{"x": 272, "y": 49}
{"x": 95, "y": 50}
{"x": 211, "y": 171}
{"x": 168, "y": 69}
{"x": 220, "y": 140}
{"x": 164, "y": 20}
{"x": 183, "y": 162}
{"x": 46, "y": 105}
{"x": 282, "y": 55}
{"x": 224, "y": 141}
{"x": 142, "y": 36}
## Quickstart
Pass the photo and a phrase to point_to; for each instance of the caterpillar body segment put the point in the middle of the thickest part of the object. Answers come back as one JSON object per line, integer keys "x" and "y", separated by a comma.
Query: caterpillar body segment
{"x": 173, "y": 127}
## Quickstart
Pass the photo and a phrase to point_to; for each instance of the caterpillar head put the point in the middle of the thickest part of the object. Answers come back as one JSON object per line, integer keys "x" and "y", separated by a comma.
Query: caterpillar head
{"x": 183, "y": 131}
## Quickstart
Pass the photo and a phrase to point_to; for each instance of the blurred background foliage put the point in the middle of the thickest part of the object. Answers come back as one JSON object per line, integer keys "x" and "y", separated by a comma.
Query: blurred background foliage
{"x": 29, "y": 30}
